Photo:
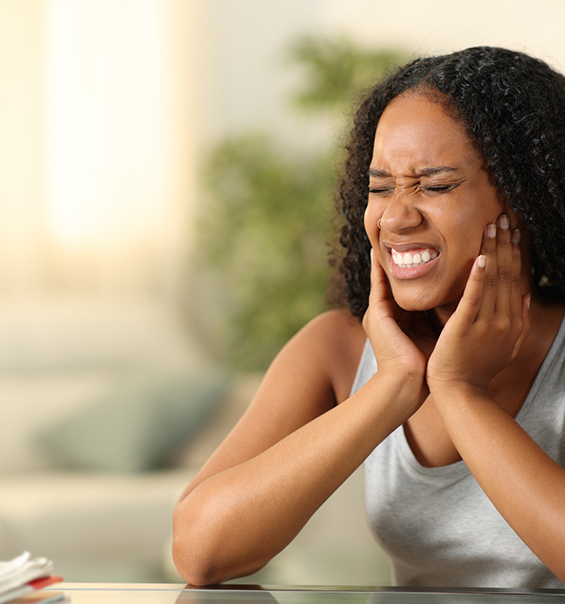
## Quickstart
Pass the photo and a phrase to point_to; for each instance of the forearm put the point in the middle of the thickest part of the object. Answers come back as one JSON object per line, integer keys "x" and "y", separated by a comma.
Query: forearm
{"x": 521, "y": 480}
{"x": 235, "y": 521}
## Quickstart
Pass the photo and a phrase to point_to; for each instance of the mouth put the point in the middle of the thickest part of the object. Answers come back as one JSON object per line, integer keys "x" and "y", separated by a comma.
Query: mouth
{"x": 412, "y": 258}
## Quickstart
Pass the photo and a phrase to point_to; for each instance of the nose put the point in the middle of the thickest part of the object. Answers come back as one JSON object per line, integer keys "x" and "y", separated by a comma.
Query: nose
{"x": 401, "y": 213}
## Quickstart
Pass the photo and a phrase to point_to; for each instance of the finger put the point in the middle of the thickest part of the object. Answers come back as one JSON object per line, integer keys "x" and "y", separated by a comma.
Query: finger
{"x": 379, "y": 298}
{"x": 503, "y": 264}
{"x": 472, "y": 300}
{"x": 488, "y": 250}
{"x": 379, "y": 283}
{"x": 516, "y": 298}
{"x": 525, "y": 307}
{"x": 387, "y": 339}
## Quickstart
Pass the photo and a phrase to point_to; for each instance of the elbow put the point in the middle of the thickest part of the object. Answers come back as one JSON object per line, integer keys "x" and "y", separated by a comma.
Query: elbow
{"x": 188, "y": 548}
{"x": 201, "y": 564}
{"x": 207, "y": 553}
{"x": 197, "y": 554}
{"x": 201, "y": 570}
{"x": 191, "y": 557}
{"x": 193, "y": 568}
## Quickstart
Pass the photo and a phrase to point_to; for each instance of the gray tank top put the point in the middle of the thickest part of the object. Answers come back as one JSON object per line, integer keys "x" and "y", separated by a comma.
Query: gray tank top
{"x": 436, "y": 524}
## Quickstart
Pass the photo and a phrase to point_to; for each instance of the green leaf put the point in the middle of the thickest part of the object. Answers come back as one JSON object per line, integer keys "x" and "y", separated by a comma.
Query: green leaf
{"x": 265, "y": 218}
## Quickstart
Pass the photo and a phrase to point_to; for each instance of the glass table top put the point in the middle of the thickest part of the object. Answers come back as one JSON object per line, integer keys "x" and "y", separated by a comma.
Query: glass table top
{"x": 175, "y": 593}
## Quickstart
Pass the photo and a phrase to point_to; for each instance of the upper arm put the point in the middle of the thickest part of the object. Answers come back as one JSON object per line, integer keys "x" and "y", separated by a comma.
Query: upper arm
{"x": 310, "y": 375}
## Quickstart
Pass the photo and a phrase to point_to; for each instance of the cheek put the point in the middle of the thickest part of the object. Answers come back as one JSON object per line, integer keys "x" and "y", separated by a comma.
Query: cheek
{"x": 464, "y": 247}
{"x": 469, "y": 228}
{"x": 470, "y": 239}
{"x": 372, "y": 214}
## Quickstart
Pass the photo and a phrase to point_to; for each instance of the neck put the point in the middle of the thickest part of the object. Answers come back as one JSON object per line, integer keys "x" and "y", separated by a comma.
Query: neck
{"x": 545, "y": 316}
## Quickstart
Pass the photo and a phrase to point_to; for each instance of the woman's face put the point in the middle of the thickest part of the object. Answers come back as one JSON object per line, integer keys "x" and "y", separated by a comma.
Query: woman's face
{"x": 433, "y": 197}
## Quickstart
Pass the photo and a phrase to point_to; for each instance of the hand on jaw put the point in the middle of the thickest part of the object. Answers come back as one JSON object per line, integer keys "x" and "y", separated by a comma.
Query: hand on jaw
{"x": 490, "y": 323}
{"x": 402, "y": 341}
{"x": 479, "y": 339}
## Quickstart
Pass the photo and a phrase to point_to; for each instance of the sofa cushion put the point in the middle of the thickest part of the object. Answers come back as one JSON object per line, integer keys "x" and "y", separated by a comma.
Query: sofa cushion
{"x": 94, "y": 526}
{"x": 136, "y": 425}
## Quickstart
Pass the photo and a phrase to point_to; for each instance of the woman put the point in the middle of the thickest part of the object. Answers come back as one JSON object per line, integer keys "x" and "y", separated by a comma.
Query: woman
{"x": 454, "y": 199}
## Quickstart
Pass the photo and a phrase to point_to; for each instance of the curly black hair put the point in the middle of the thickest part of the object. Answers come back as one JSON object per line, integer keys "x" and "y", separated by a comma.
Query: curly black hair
{"x": 512, "y": 107}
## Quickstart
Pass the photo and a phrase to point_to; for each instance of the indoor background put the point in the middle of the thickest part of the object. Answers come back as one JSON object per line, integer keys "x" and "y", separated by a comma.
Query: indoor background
{"x": 120, "y": 123}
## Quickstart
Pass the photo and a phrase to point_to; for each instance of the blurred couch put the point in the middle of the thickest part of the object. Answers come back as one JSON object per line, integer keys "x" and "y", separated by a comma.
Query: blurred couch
{"x": 106, "y": 413}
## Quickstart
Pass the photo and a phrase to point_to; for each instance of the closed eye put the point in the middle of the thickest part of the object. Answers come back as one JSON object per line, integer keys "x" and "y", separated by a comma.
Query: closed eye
{"x": 438, "y": 189}
{"x": 381, "y": 191}
{"x": 431, "y": 189}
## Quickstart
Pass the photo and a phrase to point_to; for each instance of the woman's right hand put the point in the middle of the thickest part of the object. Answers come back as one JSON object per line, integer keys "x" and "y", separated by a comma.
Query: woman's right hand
{"x": 301, "y": 437}
{"x": 402, "y": 341}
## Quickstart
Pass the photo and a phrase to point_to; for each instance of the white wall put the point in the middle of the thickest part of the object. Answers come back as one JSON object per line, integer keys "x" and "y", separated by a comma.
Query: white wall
{"x": 245, "y": 83}
{"x": 109, "y": 106}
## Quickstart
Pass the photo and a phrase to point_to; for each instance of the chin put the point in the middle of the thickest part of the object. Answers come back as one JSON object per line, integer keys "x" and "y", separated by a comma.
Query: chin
{"x": 414, "y": 301}
{"x": 414, "y": 305}
{"x": 420, "y": 299}
{"x": 411, "y": 305}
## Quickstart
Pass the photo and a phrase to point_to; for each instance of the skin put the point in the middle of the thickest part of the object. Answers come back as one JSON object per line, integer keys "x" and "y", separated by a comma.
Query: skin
{"x": 429, "y": 190}
{"x": 455, "y": 383}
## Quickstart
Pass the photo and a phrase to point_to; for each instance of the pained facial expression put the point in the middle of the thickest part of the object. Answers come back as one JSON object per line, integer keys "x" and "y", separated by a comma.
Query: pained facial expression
{"x": 433, "y": 197}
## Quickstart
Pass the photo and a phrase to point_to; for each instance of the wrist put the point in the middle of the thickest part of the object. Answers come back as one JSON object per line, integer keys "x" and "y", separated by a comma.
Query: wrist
{"x": 403, "y": 392}
{"x": 401, "y": 375}
{"x": 412, "y": 370}
{"x": 449, "y": 392}
{"x": 461, "y": 385}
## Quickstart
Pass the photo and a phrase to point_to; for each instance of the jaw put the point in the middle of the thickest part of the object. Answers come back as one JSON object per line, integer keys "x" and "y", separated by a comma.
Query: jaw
{"x": 433, "y": 291}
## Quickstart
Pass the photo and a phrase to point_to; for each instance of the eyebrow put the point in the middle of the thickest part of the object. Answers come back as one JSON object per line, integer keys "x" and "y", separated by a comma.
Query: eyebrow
{"x": 423, "y": 172}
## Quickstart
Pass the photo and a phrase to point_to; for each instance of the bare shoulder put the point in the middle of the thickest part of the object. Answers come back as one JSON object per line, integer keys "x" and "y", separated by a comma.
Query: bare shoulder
{"x": 315, "y": 370}
{"x": 331, "y": 345}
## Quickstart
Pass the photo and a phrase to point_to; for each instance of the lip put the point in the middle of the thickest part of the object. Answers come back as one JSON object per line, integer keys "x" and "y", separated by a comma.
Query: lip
{"x": 406, "y": 247}
{"x": 412, "y": 272}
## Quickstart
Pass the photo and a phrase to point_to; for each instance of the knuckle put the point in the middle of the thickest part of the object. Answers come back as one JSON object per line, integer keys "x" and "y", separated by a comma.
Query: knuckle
{"x": 504, "y": 274}
{"x": 503, "y": 324}
{"x": 474, "y": 300}
{"x": 489, "y": 246}
{"x": 485, "y": 333}
{"x": 490, "y": 281}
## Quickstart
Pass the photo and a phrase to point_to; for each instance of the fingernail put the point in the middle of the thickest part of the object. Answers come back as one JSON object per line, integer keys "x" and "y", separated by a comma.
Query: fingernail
{"x": 516, "y": 236}
{"x": 482, "y": 261}
{"x": 528, "y": 300}
{"x": 504, "y": 221}
{"x": 491, "y": 230}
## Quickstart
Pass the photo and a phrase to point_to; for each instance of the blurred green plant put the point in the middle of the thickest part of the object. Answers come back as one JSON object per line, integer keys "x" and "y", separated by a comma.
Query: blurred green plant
{"x": 336, "y": 71}
{"x": 266, "y": 224}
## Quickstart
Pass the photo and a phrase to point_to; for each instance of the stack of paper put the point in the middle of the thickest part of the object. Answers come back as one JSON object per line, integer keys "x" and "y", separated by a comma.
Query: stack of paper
{"x": 26, "y": 575}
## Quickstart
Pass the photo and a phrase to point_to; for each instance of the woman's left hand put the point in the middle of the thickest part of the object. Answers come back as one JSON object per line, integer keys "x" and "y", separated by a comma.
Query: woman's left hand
{"x": 480, "y": 339}
{"x": 491, "y": 320}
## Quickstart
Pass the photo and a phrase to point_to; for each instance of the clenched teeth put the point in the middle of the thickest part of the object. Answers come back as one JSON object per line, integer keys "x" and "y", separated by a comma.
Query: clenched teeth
{"x": 404, "y": 259}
